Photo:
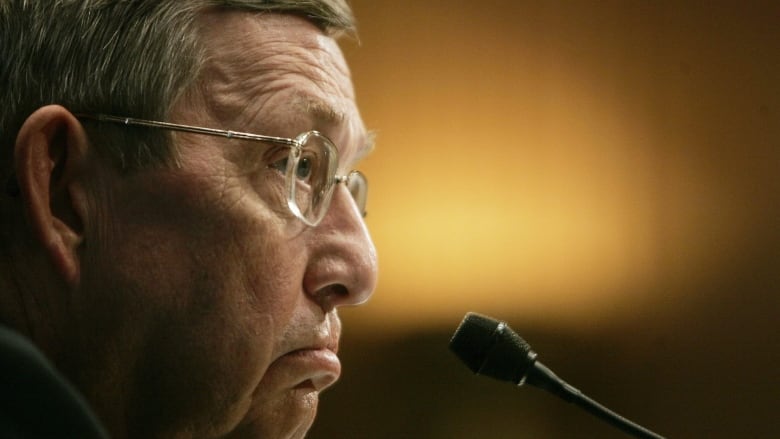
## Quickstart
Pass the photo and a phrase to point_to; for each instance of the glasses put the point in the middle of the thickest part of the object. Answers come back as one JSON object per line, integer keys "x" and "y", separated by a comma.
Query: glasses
{"x": 309, "y": 168}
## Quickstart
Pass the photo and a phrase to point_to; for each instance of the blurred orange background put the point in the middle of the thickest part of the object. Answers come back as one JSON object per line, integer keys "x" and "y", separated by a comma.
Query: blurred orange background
{"x": 601, "y": 174}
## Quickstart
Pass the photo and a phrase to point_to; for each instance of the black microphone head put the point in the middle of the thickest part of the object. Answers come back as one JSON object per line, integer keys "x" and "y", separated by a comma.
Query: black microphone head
{"x": 490, "y": 347}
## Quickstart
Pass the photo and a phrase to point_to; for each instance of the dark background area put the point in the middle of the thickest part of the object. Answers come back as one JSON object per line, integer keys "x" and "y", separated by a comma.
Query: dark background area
{"x": 669, "y": 315}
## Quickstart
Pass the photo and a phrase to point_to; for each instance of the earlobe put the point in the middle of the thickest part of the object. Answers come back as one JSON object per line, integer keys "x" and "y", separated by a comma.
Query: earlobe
{"x": 50, "y": 156}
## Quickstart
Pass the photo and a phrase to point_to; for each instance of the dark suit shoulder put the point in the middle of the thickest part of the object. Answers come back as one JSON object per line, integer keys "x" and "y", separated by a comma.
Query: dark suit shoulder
{"x": 35, "y": 399}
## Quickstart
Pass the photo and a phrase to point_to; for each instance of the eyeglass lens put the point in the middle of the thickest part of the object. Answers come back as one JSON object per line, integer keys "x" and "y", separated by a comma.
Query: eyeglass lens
{"x": 311, "y": 177}
{"x": 358, "y": 188}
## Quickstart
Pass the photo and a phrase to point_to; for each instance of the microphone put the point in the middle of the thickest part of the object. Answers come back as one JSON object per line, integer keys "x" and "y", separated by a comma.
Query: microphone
{"x": 490, "y": 347}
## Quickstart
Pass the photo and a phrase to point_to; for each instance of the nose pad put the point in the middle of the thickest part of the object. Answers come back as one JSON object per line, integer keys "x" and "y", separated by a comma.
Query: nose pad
{"x": 357, "y": 185}
{"x": 342, "y": 198}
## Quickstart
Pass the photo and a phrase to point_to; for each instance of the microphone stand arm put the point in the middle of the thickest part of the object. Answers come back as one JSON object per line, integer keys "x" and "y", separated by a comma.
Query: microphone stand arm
{"x": 541, "y": 376}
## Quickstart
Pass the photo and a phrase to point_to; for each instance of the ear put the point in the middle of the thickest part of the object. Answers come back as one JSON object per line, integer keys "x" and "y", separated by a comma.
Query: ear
{"x": 50, "y": 156}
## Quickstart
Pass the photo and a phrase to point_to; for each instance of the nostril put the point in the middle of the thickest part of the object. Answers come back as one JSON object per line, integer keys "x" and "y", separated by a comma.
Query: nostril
{"x": 331, "y": 296}
{"x": 336, "y": 290}
{"x": 339, "y": 290}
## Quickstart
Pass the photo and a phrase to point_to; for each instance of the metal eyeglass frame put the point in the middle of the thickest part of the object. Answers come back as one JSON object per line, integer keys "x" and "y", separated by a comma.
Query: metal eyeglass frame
{"x": 354, "y": 180}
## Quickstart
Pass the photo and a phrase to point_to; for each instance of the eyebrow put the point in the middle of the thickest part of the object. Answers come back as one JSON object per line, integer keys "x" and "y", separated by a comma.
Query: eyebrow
{"x": 326, "y": 114}
{"x": 322, "y": 111}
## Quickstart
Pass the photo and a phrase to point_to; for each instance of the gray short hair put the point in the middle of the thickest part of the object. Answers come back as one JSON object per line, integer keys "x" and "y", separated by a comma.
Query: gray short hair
{"x": 124, "y": 57}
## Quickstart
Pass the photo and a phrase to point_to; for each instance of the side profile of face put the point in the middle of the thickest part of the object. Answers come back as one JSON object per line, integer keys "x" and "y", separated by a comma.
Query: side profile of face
{"x": 209, "y": 309}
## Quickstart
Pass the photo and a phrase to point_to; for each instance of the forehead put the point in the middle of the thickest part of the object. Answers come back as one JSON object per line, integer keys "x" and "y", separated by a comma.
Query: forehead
{"x": 276, "y": 74}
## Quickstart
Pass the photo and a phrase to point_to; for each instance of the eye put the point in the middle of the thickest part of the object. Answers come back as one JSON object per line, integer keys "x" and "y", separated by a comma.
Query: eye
{"x": 277, "y": 158}
{"x": 280, "y": 165}
{"x": 304, "y": 169}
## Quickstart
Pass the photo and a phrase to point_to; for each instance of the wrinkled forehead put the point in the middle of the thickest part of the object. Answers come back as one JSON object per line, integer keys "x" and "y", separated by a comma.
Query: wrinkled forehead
{"x": 277, "y": 74}
{"x": 261, "y": 56}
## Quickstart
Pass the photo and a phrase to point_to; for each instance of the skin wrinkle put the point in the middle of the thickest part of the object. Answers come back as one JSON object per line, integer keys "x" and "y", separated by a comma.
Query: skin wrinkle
{"x": 228, "y": 104}
{"x": 278, "y": 70}
{"x": 245, "y": 157}
{"x": 190, "y": 156}
{"x": 277, "y": 60}
{"x": 233, "y": 195}
{"x": 318, "y": 110}
{"x": 228, "y": 195}
{"x": 226, "y": 98}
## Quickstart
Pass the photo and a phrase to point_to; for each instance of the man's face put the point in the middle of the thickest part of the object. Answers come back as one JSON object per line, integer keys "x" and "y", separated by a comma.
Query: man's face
{"x": 223, "y": 303}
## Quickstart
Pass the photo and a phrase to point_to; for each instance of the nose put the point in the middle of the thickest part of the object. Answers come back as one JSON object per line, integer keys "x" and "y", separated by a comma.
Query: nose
{"x": 342, "y": 269}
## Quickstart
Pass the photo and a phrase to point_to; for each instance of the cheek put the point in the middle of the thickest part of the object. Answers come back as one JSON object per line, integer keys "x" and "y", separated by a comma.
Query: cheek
{"x": 240, "y": 311}
{"x": 199, "y": 299}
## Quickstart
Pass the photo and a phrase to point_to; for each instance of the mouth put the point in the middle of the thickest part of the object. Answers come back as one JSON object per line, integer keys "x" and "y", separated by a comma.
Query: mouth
{"x": 310, "y": 369}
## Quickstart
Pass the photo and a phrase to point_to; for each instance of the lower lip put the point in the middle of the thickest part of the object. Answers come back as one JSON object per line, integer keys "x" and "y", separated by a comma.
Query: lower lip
{"x": 311, "y": 368}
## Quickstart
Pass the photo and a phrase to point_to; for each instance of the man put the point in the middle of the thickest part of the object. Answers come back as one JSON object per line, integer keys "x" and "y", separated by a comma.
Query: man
{"x": 183, "y": 276}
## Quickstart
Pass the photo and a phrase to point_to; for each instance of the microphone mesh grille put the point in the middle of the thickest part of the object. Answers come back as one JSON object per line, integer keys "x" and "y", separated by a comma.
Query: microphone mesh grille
{"x": 490, "y": 347}
{"x": 473, "y": 338}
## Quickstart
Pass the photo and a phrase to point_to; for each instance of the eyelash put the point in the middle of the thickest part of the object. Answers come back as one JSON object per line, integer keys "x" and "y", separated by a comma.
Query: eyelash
{"x": 277, "y": 159}
{"x": 274, "y": 155}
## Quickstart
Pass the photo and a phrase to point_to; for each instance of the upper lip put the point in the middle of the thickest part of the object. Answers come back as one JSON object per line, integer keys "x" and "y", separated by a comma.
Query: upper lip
{"x": 330, "y": 344}
{"x": 325, "y": 336}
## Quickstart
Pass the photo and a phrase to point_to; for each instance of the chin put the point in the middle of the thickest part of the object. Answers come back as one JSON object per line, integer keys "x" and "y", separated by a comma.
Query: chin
{"x": 289, "y": 418}
{"x": 301, "y": 413}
